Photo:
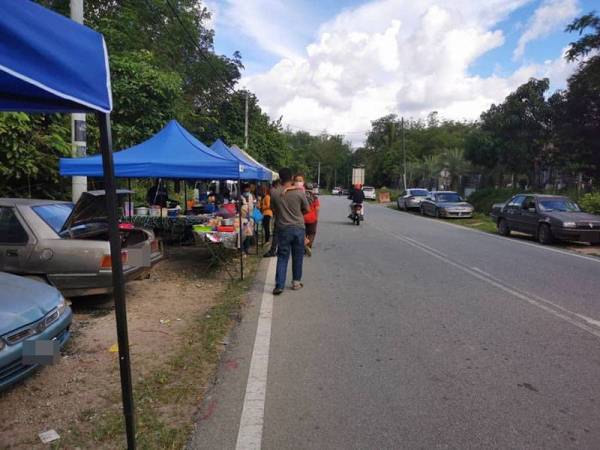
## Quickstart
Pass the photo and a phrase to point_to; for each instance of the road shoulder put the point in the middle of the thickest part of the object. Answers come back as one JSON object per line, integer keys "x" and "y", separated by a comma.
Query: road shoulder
{"x": 218, "y": 420}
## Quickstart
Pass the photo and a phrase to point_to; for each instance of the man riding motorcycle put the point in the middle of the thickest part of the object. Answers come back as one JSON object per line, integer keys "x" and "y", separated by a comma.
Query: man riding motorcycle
{"x": 358, "y": 197}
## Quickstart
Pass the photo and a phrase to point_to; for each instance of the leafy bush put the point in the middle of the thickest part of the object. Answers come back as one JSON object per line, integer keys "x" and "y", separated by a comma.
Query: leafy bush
{"x": 483, "y": 199}
{"x": 591, "y": 202}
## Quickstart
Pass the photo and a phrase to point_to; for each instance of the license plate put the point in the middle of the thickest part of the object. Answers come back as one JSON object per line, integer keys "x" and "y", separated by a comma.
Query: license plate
{"x": 42, "y": 351}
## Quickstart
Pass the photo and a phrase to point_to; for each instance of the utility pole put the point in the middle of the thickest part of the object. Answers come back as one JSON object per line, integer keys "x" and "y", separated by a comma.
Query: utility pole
{"x": 246, "y": 125}
{"x": 78, "y": 123}
{"x": 404, "y": 154}
{"x": 319, "y": 175}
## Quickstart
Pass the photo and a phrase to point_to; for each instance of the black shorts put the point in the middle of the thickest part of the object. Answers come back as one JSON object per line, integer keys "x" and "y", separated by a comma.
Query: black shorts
{"x": 310, "y": 228}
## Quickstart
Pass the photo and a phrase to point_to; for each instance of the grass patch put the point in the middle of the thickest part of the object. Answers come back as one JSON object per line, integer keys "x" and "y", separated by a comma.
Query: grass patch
{"x": 167, "y": 399}
{"x": 479, "y": 221}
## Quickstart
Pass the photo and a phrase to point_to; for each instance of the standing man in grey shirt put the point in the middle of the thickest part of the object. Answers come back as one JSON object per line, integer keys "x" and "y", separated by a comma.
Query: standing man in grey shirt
{"x": 289, "y": 205}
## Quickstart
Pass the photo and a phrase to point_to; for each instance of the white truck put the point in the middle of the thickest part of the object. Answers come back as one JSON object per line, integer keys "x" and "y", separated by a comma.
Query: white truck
{"x": 358, "y": 176}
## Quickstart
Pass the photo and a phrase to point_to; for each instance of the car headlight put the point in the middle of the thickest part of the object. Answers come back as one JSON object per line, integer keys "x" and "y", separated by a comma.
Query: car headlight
{"x": 62, "y": 305}
{"x": 569, "y": 224}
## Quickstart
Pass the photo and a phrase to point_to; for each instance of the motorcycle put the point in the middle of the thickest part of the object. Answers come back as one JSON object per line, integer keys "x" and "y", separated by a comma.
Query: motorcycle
{"x": 357, "y": 215}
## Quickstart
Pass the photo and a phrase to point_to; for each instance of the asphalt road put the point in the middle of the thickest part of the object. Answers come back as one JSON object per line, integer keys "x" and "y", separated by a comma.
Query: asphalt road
{"x": 411, "y": 333}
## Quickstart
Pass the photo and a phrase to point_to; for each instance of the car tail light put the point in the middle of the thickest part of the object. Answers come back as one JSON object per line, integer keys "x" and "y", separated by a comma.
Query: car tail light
{"x": 154, "y": 247}
{"x": 126, "y": 226}
{"x": 106, "y": 262}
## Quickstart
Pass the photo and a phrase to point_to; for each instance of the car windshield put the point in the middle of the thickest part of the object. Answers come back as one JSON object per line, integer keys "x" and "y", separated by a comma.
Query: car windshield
{"x": 419, "y": 192}
{"x": 54, "y": 215}
{"x": 558, "y": 204}
{"x": 450, "y": 197}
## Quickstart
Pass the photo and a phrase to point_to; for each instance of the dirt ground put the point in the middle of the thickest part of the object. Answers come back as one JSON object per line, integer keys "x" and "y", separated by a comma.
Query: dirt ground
{"x": 86, "y": 380}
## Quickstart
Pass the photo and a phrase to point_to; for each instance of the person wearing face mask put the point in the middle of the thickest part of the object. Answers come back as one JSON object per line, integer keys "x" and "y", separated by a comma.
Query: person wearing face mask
{"x": 299, "y": 181}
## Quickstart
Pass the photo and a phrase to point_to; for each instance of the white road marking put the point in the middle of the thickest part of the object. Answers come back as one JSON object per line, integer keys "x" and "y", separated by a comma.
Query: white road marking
{"x": 590, "y": 320}
{"x": 592, "y": 326}
{"x": 253, "y": 412}
{"x": 507, "y": 239}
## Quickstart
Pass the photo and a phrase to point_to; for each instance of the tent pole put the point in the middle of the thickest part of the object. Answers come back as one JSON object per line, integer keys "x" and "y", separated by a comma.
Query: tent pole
{"x": 130, "y": 208}
{"x": 241, "y": 229}
{"x": 256, "y": 224}
{"x": 184, "y": 197}
{"x": 117, "y": 278}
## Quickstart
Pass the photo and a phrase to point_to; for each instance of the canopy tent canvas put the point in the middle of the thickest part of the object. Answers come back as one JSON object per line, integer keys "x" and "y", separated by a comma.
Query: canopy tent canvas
{"x": 38, "y": 51}
{"x": 171, "y": 153}
{"x": 274, "y": 175}
{"x": 232, "y": 154}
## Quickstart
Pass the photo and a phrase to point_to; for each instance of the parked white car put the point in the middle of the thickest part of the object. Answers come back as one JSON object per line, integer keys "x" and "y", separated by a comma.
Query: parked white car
{"x": 412, "y": 198}
{"x": 369, "y": 192}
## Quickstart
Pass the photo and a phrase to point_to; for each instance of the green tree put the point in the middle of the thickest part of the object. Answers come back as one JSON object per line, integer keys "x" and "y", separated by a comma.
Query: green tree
{"x": 577, "y": 110}
{"x": 30, "y": 147}
{"x": 518, "y": 130}
{"x": 454, "y": 160}
{"x": 145, "y": 98}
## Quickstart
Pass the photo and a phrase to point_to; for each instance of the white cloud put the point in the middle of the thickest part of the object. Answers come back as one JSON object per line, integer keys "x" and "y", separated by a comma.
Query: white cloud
{"x": 550, "y": 15}
{"x": 277, "y": 26}
{"x": 394, "y": 56}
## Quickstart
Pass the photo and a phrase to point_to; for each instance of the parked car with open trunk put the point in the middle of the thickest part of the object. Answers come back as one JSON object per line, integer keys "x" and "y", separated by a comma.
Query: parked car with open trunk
{"x": 67, "y": 246}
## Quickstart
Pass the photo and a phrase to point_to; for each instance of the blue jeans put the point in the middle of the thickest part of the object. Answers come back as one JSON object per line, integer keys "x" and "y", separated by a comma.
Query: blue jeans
{"x": 289, "y": 240}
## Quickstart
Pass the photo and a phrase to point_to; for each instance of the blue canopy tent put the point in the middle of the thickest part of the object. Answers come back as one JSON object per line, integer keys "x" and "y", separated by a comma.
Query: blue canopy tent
{"x": 39, "y": 51}
{"x": 171, "y": 153}
{"x": 257, "y": 172}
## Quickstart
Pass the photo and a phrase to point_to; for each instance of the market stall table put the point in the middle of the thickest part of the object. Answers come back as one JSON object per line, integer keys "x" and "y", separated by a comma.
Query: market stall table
{"x": 176, "y": 228}
{"x": 217, "y": 243}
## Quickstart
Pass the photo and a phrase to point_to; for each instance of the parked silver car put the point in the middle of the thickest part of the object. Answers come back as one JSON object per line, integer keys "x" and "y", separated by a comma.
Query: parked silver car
{"x": 446, "y": 204}
{"x": 411, "y": 198}
{"x": 67, "y": 245}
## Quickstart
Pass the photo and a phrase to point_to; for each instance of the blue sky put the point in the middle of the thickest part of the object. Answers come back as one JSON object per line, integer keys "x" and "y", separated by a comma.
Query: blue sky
{"x": 335, "y": 65}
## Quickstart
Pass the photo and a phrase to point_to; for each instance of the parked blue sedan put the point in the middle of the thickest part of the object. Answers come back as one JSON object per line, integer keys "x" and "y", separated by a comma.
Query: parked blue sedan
{"x": 31, "y": 313}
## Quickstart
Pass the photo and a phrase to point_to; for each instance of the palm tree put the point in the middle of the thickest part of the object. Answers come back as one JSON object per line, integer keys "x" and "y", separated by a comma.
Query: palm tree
{"x": 455, "y": 163}
{"x": 431, "y": 166}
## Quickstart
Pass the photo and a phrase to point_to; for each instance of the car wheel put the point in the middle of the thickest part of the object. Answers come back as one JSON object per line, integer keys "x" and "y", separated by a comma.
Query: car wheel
{"x": 544, "y": 234}
{"x": 503, "y": 228}
{"x": 422, "y": 210}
